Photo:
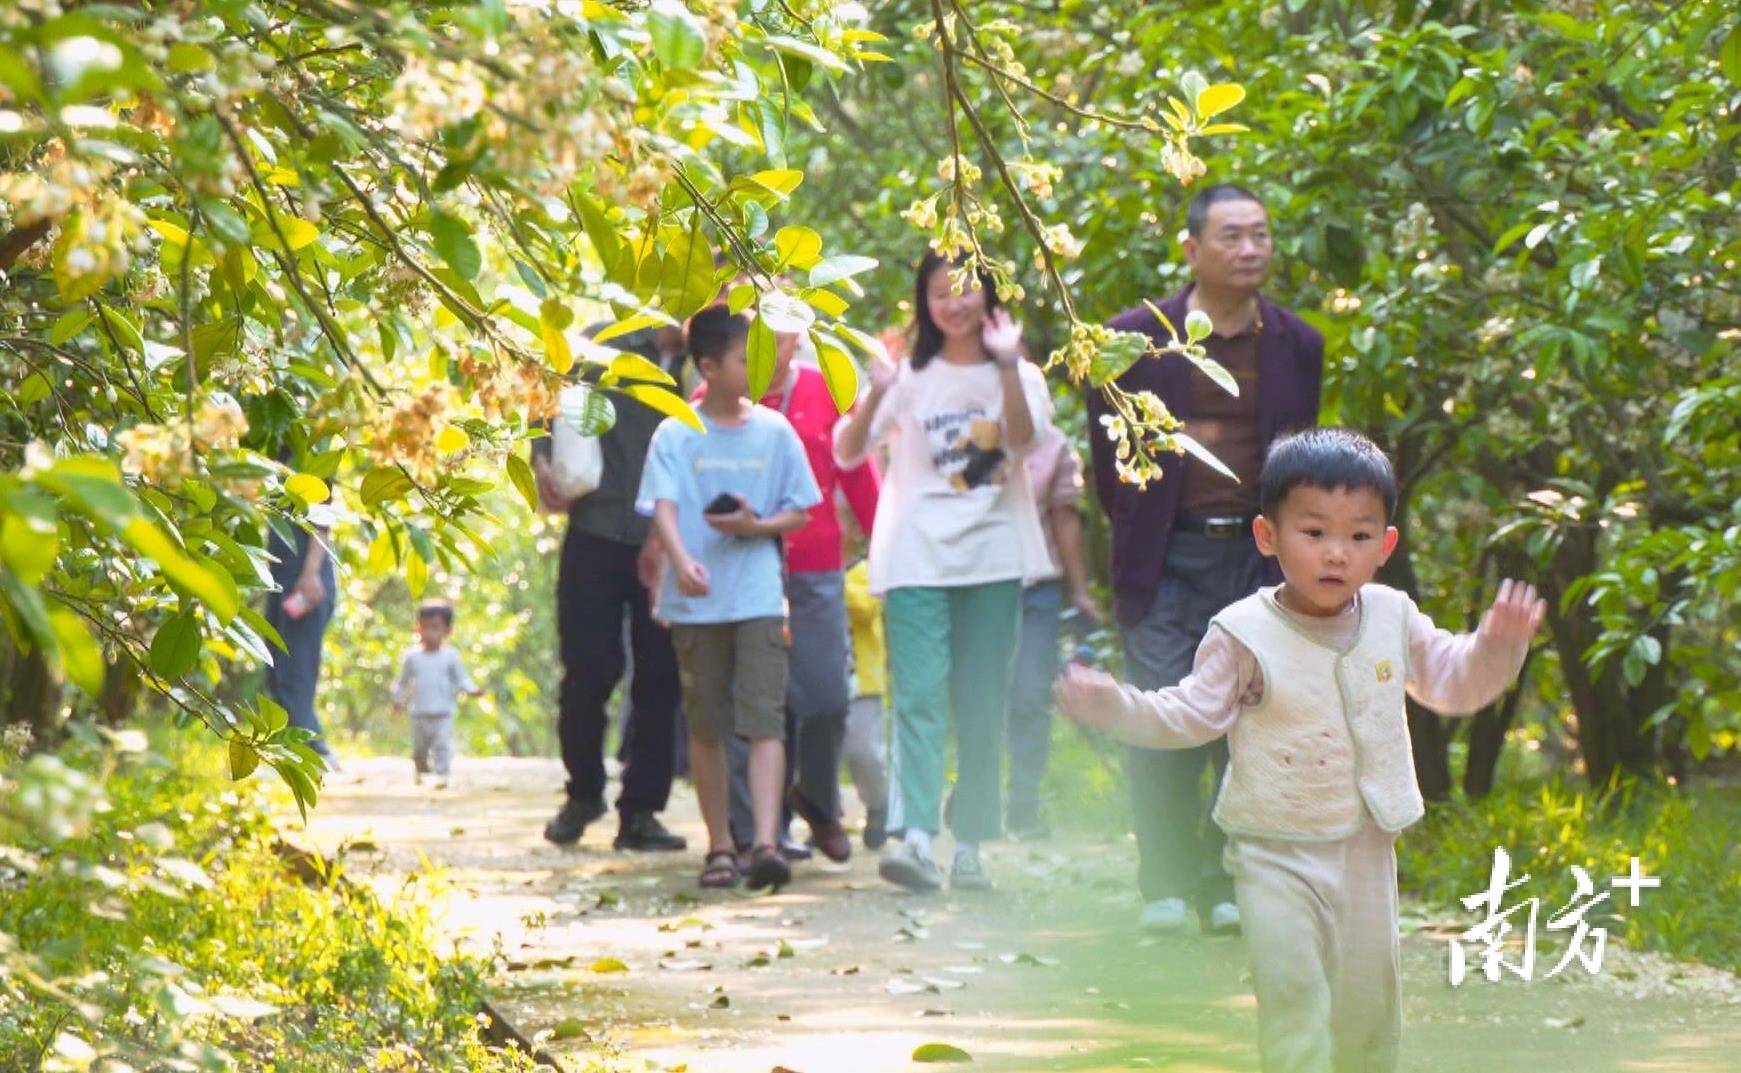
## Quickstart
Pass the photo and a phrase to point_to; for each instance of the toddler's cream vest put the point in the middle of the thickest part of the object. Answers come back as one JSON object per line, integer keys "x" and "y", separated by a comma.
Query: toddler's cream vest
{"x": 1329, "y": 739}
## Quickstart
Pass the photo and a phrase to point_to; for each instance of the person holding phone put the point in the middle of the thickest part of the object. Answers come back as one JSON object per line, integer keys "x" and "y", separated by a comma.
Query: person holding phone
{"x": 719, "y": 498}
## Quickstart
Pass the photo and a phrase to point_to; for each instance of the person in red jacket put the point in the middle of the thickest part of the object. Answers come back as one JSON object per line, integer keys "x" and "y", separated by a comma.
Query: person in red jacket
{"x": 818, "y": 693}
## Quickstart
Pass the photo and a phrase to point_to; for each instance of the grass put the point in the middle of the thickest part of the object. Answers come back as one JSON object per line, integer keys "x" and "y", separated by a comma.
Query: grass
{"x": 171, "y": 935}
{"x": 1546, "y": 823}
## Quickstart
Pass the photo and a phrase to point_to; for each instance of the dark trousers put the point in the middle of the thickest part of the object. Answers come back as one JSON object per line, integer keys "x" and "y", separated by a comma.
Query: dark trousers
{"x": 595, "y": 587}
{"x": 817, "y": 697}
{"x": 293, "y": 674}
{"x": 1178, "y": 845}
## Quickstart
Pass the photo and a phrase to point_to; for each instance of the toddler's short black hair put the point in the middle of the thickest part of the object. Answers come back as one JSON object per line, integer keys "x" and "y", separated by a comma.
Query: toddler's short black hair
{"x": 713, "y": 333}
{"x": 440, "y": 609}
{"x": 1327, "y": 458}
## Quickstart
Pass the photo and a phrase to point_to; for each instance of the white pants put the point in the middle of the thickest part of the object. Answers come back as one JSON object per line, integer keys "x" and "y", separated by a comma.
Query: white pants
{"x": 432, "y": 743}
{"x": 1321, "y": 922}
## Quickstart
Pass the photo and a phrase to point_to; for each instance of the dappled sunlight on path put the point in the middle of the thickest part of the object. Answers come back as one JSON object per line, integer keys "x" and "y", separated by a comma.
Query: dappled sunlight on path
{"x": 626, "y": 962}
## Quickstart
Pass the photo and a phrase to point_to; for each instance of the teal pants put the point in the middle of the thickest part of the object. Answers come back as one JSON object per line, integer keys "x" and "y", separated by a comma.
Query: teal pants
{"x": 950, "y": 653}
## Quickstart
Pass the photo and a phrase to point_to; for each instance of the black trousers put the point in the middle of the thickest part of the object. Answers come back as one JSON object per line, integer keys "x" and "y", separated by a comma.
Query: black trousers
{"x": 1178, "y": 845}
{"x": 595, "y": 588}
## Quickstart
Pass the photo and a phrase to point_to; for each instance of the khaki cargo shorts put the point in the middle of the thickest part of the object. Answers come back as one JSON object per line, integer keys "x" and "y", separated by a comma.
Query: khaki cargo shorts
{"x": 734, "y": 678}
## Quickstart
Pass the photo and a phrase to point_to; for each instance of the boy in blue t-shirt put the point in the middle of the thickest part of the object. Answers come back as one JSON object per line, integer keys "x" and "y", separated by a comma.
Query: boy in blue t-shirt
{"x": 719, "y": 504}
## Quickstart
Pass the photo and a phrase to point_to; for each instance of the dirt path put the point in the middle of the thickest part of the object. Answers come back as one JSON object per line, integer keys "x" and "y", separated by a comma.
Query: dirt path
{"x": 631, "y": 967}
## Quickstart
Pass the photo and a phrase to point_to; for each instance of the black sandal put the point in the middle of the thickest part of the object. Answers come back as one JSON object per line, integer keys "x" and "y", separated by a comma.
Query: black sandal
{"x": 719, "y": 870}
{"x": 768, "y": 869}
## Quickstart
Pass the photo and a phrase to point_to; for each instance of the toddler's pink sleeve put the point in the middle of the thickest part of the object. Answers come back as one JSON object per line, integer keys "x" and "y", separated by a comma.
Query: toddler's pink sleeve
{"x": 1224, "y": 678}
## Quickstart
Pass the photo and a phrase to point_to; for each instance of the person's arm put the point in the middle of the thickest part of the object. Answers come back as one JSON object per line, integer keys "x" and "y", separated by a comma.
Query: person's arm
{"x": 692, "y": 579}
{"x": 402, "y": 684}
{"x": 1458, "y": 674}
{"x": 852, "y": 440}
{"x": 1200, "y": 709}
{"x": 310, "y": 583}
{"x": 462, "y": 679}
{"x": 1067, "y": 531}
{"x": 861, "y": 485}
{"x": 1002, "y": 338}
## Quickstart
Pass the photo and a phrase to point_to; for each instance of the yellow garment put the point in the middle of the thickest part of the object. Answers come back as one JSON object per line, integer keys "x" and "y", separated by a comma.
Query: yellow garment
{"x": 864, "y": 613}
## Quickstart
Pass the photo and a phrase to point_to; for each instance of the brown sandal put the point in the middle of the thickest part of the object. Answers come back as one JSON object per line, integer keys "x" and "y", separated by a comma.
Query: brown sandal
{"x": 719, "y": 870}
{"x": 768, "y": 869}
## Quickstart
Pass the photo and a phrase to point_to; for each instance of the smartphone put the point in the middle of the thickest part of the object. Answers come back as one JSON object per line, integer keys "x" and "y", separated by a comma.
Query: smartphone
{"x": 723, "y": 503}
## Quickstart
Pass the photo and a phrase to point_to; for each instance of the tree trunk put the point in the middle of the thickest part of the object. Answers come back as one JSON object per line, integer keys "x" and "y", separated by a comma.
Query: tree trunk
{"x": 1487, "y": 732}
{"x": 1611, "y": 739}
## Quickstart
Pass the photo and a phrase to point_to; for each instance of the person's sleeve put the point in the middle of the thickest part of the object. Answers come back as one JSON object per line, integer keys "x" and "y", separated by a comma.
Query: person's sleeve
{"x": 860, "y": 485}
{"x": 462, "y": 679}
{"x": 1312, "y": 374}
{"x": 894, "y": 401}
{"x": 1457, "y": 674}
{"x": 799, "y": 490}
{"x": 1066, "y": 487}
{"x": 659, "y": 474}
{"x": 1224, "y": 675}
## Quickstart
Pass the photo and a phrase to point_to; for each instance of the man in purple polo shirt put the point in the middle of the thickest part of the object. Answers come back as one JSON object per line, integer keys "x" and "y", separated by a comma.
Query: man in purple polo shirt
{"x": 1182, "y": 548}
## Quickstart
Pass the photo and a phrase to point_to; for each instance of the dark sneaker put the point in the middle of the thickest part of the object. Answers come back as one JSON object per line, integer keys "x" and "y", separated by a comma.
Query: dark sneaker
{"x": 569, "y": 823}
{"x": 904, "y": 866}
{"x": 793, "y": 850}
{"x": 826, "y": 834}
{"x": 876, "y": 830}
{"x": 642, "y": 830}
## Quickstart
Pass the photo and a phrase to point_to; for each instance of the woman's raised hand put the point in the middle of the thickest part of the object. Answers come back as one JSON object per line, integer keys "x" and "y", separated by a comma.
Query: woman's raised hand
{"x": 1002, "y": 337}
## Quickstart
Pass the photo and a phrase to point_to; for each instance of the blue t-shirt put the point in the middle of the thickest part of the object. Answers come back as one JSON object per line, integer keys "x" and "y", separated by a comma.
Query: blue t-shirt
{"x": 763, "y": 462}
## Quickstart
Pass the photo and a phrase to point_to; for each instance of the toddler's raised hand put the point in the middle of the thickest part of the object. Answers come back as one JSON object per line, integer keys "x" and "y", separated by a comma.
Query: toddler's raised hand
{"x": 1089, "y": 696}
{"x": 1515, "y": 615}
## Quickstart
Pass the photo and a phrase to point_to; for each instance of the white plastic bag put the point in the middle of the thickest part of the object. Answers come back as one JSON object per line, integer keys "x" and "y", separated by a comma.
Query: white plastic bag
{"x": 576, "y": 461}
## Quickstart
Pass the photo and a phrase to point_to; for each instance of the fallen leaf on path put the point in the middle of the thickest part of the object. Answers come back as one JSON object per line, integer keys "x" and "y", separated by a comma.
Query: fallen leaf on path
{"x": 964, "y": 970}
{"x": 760, "y": 961}
{"x": 609, "y": 965}
{"x": 686, "y": 922}
{"x": 685, "y": 965}
{"x": 1576, "y": 1021}
{"x": 849, "y": 970}
{"x": 1025, "y": 958}
{"x": 906, "y": 987}
{"x": 940, "y": 1052}
{"x": 569, "y": 1028}
{"x": 943, "y": 984}
{"x": 720, "y": 1002}
{"x": 935, "y": 1013}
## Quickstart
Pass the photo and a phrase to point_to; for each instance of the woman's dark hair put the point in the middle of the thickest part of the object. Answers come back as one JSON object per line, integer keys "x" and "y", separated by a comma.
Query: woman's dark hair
{"x": 927, "y": 337}
{"x": 714, "y": 331}
{"x": 1326, "y": 458}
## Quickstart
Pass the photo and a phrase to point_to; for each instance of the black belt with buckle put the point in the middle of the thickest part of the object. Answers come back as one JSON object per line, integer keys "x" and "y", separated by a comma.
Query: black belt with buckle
{"x": 1222, "y": 527}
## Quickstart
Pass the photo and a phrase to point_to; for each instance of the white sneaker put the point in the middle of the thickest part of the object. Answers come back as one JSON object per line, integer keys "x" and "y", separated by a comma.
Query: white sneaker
{"x": 1223, "y": 919}
{"x": 1165, "y": 916}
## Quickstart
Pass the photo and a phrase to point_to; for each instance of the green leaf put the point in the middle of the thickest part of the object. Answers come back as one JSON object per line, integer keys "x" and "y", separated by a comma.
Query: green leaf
{"x": 148, "y": 540}
{"x": 645, "y": 319}
{"x": 838, "y": 370}
{"x": 1731, "y": 55}
{"x": 781, "y": 181}
{"x": 520, "y": 473}
{"x": 1213, "y": 100}
{"x": 175, "y": 649}
{"x": 453, "y": 240}
{"x": 81, "y": 658}
{"x": 416, "y": 573}
{"x": 687, "y": 280}
{"x": 668, "y": 402}
{"x": 798, "y": 247}
{"x": 243, "y": 759}
{"x": 762, "y": 355}
{"x": 28, "y": 547}
{"x": 840, "y": 266}
{"x": 940, "y": 1052}
{"x": 1205, "y": 456}
{"x": 631, "y": 366}
{"x": 383, "y": 484}
{"x": 1114, "y": 359}
{"x": 307, "y": 487}
{"x": 609, "y": 965}
{"x": 678, "y": 40}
